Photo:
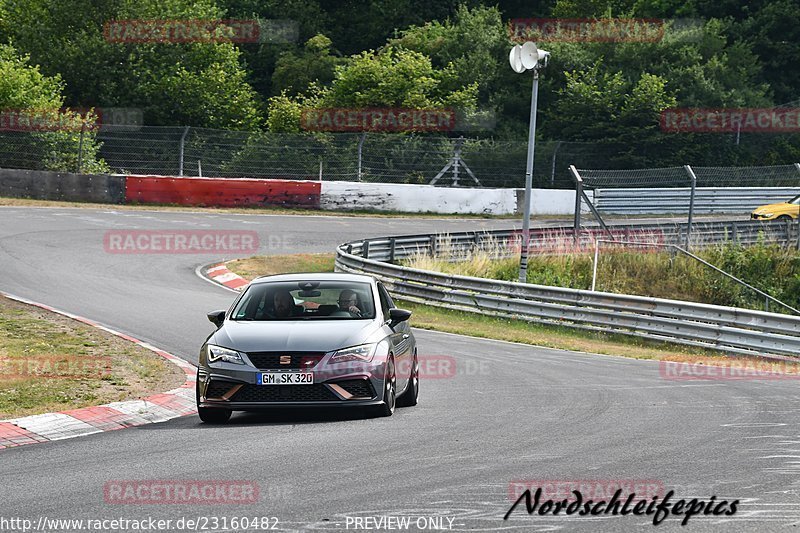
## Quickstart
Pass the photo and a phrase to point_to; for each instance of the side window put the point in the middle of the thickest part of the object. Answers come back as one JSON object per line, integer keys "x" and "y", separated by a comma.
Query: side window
{"x": 386, "y": 300}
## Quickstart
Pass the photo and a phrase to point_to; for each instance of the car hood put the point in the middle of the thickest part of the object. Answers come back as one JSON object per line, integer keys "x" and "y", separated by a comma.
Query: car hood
{"x": 771, "y": 208}
{"x": 293, "y": 335}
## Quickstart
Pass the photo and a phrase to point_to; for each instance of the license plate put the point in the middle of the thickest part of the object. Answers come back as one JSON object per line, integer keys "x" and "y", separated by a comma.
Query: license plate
{"x": 285, "y": 378}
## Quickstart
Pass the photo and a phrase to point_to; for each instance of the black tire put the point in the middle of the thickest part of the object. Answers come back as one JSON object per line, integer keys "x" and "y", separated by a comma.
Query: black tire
{"x": 210, "y": 415}
{"x": 389, "y": 391}
{"x": 784, "y": 218}
{"x": 411, "y": 394}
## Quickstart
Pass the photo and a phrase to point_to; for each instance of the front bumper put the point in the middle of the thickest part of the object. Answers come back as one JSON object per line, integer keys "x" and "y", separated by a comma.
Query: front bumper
{"x": 237, "y": 389}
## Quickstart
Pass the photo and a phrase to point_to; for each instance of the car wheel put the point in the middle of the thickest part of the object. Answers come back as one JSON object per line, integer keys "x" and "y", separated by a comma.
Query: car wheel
{"x": 410, "y": 395}
{"x": 784, "y": 218}
{"x": 389, "y": 391}
{"x": 210, "y": 415}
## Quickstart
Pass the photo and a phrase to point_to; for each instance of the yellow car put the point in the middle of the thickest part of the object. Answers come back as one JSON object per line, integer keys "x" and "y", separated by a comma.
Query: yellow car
{"x": 781, "y": 211}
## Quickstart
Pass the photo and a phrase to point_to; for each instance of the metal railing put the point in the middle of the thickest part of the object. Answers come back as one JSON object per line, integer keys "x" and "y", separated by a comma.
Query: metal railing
{"x": 728, "y": 329}
{"x": 641, "y": 201}
{"x": 767, "y": 297}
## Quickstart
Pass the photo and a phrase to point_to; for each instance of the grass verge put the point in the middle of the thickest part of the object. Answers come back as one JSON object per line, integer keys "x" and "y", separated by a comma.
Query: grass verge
{"x": 49, "y": 362}
{"x": 464, "y": 323}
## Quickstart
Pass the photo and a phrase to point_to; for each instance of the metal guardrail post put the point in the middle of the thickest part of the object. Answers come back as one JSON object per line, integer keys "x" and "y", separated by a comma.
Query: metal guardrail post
{"x": 594, "y": 263}
{"x": 578, "y": 197}
{"x": 365, "y": 249}
{"x": 180, "y": 150}
{"x": 693, "y": 179}
{"x": 798, "y": 232}
{"x": 392, "y": 244}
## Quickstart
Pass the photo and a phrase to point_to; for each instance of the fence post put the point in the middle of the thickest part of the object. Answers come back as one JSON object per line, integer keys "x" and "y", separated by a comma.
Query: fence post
{"x": 80, "y": 147}
{"x": 553, "y": 165}
{"x": 360, "y": 151}
{"x": 392, "y": 246}
{"x": 180, "y": 155}
{"x": 578, "y": 197}
{"x": 693, "y": 179}
{"x": 456, "y": 159}
{"x": 797, "y": 166}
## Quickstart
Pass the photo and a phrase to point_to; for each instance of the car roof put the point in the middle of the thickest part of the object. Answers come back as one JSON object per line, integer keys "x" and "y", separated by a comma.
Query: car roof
{"x": 316, "y": 276}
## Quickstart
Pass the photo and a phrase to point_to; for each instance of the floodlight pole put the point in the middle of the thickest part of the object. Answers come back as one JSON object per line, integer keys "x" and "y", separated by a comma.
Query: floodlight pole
{"x": 526, "y": 220}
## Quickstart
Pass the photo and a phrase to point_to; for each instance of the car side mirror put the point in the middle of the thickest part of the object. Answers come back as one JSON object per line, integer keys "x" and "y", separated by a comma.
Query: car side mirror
{"x": 398, "y": 315}
{"x": 216, "y": 317}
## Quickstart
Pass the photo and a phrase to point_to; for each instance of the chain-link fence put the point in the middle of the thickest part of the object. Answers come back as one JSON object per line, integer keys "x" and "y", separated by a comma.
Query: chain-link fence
{"x": 368, "y": 157}
{"x": 762, "y": 193}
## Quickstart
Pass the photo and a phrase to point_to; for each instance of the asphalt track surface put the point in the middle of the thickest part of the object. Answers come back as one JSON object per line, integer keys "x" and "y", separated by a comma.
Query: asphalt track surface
{"x": 510, "y": 412}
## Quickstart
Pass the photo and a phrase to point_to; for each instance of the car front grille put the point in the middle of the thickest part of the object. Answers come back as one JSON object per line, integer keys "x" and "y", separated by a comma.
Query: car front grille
{"x": 296, "y": 360}
{"x": 359, "y": 388}
{"x": 284, "y": 393}
{"x": 217, "y": 388}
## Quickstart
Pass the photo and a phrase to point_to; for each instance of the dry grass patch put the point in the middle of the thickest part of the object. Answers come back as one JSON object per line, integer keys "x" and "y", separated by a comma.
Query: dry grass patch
{"x": 49, "y": 362}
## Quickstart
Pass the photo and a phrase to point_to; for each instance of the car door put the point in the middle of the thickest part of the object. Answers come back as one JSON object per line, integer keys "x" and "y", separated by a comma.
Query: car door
{"x": 401, "y": 340}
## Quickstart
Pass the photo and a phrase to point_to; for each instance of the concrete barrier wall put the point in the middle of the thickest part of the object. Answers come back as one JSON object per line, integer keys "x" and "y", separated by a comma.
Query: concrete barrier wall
{"x": 343, "y": 195}
{"x": 327, "y": 195}
{"x": 225, "y": 192}
{"x": 43, "y": 185}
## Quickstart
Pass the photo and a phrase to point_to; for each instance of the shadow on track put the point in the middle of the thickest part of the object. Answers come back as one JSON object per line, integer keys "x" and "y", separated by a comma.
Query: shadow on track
{"x": 292, "y": 416}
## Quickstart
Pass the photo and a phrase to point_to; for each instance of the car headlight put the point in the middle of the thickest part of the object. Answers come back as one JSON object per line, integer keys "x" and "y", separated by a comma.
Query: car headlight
{"x": 218, "y": 353}
{"x": 363, "y": 352}
{"x": 766, "y": 215}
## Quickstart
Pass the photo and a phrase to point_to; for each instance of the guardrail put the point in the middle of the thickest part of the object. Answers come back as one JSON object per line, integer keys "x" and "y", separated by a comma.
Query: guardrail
{"x": 638, "y": 201}
{"x": 728, "y": 329}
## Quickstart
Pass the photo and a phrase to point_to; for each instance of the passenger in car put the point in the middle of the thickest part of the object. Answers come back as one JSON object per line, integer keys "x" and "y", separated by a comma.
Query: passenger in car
{"x": 347, "y": 302}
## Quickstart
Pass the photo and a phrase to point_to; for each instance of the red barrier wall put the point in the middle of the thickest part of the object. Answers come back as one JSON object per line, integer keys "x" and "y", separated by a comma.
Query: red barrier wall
{"x": 227, "y": 192}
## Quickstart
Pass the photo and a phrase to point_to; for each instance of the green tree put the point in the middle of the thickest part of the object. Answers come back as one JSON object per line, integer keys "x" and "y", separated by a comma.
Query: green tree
{"x": 27, "y": 93}
{"x": 294, "y": 72}
{"x": 392, "y": 77}
{"x": 199, "y": 84}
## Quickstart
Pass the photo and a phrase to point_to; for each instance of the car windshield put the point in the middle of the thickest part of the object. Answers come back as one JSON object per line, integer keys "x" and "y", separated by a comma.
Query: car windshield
{"x": 303, "y": 299}
{"x": 795, "y": 200}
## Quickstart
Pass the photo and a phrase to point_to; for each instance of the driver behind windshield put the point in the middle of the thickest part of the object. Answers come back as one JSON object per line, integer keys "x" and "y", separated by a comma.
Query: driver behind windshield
{"x": 283, "y": 305}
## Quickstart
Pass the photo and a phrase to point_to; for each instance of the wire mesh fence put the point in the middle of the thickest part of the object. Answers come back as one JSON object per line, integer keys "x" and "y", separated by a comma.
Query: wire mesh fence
{"x": 368, "y": 157}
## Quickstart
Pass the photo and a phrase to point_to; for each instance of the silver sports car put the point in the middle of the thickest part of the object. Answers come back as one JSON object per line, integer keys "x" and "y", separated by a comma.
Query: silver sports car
{"x": 304, "y": 340}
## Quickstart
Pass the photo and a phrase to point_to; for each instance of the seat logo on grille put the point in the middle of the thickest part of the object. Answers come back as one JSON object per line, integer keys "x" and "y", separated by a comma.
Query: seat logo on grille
{"x": 286, "y": 360}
